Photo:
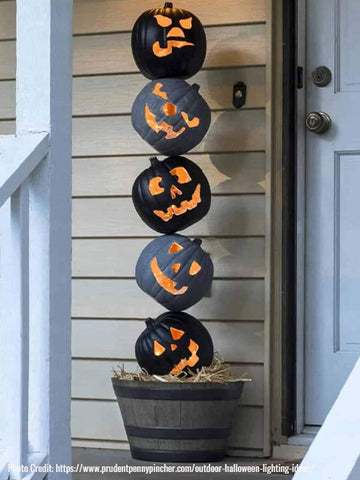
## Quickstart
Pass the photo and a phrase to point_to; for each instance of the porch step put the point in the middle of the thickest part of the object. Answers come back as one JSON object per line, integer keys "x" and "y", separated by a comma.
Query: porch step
{"x": 87, "y": 457}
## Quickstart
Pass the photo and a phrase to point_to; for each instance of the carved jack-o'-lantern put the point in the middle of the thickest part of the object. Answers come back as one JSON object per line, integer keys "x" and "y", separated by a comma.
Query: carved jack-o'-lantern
{"x": 175, "y": 271}
{"x": 168, "y": 42}
{"x": 171, "y": 195}
{"x": 174, "y": 343}
{"x": 171, "y": 116}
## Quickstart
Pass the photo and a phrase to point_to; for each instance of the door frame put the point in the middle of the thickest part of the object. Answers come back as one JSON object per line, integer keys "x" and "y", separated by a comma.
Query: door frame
{"x": 302, "y": 435}
{"x": 288, "y": 235}
{"x": 300, "y": 222}
{"x": 284, "y": 231}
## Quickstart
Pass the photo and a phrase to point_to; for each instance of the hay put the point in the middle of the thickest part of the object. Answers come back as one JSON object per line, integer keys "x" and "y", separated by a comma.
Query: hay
{"x": 217, "y": 372}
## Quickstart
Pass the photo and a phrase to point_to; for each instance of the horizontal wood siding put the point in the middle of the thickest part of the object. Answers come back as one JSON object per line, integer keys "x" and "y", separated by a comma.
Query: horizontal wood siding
{"x": 108, "y": 307}
{"x": 7, "y": 95}
{"x": 100, "y": 16}
{"x": 227, "y": 173}
{"x": 230, "y": 131}
{"x": 99, "y": 54}
{"x": 228, "y": 216}
{"x": 95, "y": 54}
{"x": 114, "y": 94}
{"x": 235, "y": 341}
{"x": 232, "y": 257}
{"x": 240, "y": 299}
{"x": 92, "y": 16}
{"x": 7, "y": 128}
{"x": 7, "y": 20}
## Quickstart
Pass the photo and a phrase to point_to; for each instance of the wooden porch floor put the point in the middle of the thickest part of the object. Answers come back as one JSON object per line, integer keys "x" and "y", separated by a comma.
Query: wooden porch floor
{"x": 94, "y": 457}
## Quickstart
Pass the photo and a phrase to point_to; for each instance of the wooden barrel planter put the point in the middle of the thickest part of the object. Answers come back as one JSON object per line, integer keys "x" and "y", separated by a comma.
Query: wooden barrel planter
{"x": 177, "y": 422}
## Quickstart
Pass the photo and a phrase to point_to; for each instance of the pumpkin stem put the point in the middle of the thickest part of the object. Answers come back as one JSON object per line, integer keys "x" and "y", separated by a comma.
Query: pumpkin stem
{"x": 196, "y": 86}
{"x": 168, "y": 5}
{"x": 150, "y": 322}
{"x": 154, "y": 161}
{"x": 198, "y": 241}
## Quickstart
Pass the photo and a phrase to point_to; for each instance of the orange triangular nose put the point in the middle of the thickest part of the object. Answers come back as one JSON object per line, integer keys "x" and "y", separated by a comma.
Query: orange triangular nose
{"x": 174, "y": 191}
{"x": 176, "y": 32}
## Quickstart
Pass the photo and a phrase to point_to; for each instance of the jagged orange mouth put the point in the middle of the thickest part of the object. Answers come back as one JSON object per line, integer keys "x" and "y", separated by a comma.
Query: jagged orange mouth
{"x": 187, "y": 362}
{"x": 150, "y": 118}
{"x": 165, "y": 282}
{"x": 185, "y": 206}
{"x": 164, "y": 52}
{"x": 161, "y": 127}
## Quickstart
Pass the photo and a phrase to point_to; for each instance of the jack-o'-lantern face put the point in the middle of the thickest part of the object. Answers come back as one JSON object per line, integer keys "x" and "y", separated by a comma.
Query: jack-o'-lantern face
{"x": 169, "y": 109}
{"x": 171, "y": 115}
{"x": 190, "y": 361}
{"x": 167, "y": 283}
{"x": 168, "y": 42}
{"x": 175, "y": 271}
{"x": 172, "y": 194}
{"x": 175, "y": 36}
{"x": 174, "y": 343}
{"x": 183, "y": 177}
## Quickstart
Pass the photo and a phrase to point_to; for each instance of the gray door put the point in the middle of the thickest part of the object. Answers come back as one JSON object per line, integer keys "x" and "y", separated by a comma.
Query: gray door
{"x": 332, "y": 280}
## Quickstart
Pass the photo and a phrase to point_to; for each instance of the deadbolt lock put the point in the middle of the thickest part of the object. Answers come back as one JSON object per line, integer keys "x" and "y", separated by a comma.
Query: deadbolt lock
{"x": 321, "y": 76}
{"x": 318, "y": 122}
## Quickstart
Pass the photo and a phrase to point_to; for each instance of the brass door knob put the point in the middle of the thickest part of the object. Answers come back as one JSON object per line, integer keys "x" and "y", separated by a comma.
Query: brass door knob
{"x": 318, "y": 122}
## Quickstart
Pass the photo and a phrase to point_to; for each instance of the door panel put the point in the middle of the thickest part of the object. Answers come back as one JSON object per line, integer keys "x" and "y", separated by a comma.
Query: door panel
{"x": 347, "y": 38}
{"x": 347, "y": 260}
{"x": 332, "y": 283}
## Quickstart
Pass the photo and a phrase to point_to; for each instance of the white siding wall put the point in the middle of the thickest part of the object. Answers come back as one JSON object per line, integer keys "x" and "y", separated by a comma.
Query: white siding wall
{"x": 108, "y": 308}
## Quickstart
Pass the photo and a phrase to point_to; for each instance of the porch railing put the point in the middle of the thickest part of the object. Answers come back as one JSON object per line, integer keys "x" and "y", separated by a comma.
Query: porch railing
{"x": 35, "y": 250}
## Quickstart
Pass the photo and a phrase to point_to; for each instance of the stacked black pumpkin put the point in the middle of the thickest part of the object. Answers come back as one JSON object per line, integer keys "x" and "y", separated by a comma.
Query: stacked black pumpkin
{"x": 169, "y": 44}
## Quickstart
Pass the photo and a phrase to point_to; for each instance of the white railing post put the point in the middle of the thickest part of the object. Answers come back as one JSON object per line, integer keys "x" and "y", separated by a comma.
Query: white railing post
{"x": 44, "y": 86}
{"x": 35, "y": 231}
{"x": 14, "y": 298}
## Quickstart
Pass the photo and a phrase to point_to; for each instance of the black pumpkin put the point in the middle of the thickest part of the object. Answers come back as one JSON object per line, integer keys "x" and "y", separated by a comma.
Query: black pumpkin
{"x": 175, "y": 271}
{"x": 168, "y": 42}
{"x": 174, "y": 343}
{"x": 171, "y": 116}
{"x": 171, "y": 195}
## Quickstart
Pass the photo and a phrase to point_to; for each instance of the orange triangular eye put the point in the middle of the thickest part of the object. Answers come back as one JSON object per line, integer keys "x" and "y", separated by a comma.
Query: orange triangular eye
{"x": 176, "y": 267}
{"x": 158, "y": 349}
{"x": 186, "y": 23}
{"x": 157, "y": 91}
{"x": 163, "y": 21}
{"x": 175, "y": 333}
{"x": 173, "y": 347}
{"x": 194, "y": 268}
{"x": 175, "y": 247}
